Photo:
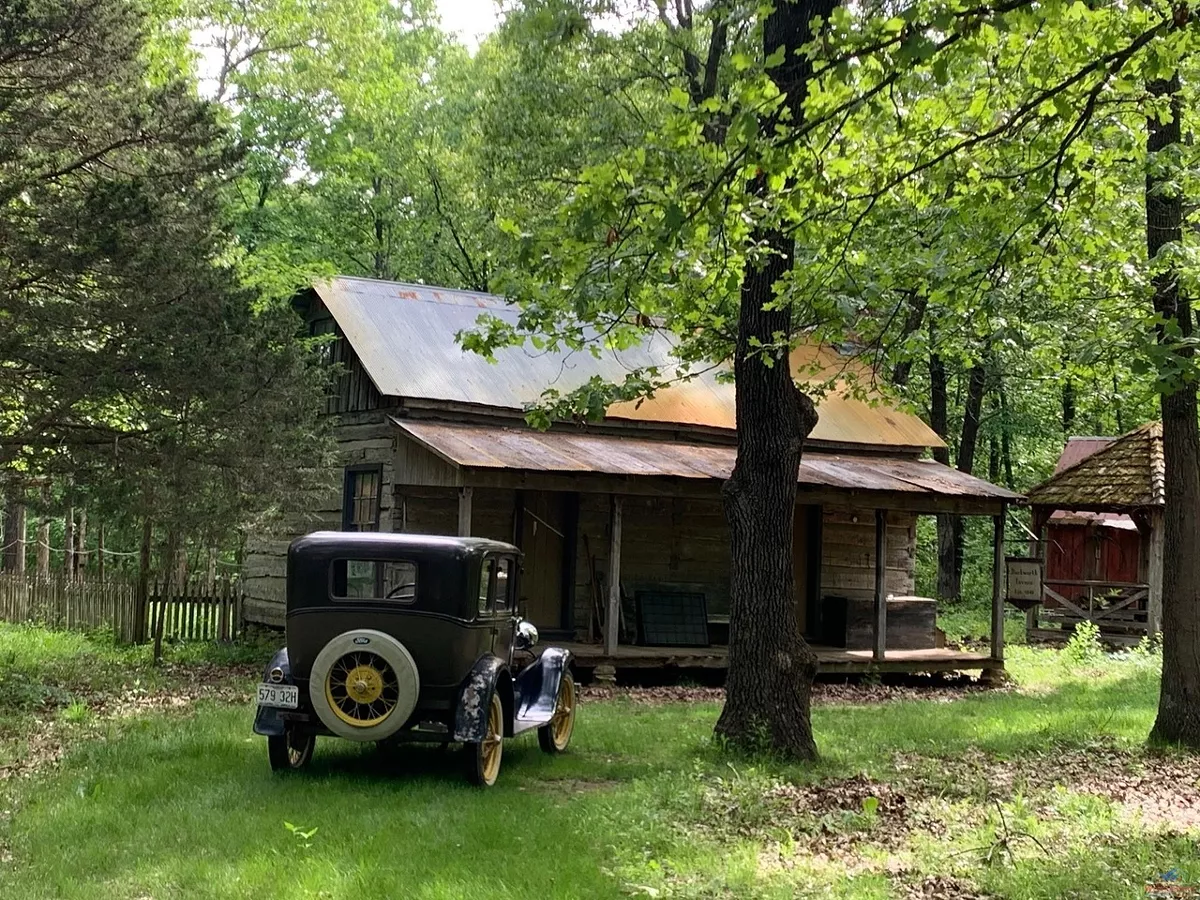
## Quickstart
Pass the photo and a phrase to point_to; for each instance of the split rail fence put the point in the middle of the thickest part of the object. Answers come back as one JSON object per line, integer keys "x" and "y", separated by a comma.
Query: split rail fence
{"x": 197, "y": 612}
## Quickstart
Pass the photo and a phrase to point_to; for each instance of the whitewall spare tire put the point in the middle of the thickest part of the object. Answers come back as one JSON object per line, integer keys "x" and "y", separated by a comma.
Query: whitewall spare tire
{"x": 364, "y": 685}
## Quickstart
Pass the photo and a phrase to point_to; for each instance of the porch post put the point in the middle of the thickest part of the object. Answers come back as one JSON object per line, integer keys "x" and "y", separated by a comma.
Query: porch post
{"x": 880, "y": 584}
{"x": 464, "y": 511}
{"x": 998, "y": 586}
{"x": 612, "y": 620}
{"x": 1154, "y": 603}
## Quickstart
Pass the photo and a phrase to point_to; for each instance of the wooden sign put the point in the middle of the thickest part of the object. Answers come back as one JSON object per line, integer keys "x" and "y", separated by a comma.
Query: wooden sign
{"x": 1023, "y": 578}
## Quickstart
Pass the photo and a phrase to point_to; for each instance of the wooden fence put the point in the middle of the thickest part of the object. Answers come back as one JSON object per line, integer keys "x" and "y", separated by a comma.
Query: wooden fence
{"x": 194, "y": 613}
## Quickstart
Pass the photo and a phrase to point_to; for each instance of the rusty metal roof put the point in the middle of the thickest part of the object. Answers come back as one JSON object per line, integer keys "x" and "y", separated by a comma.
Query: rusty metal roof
{"x": 1127, "y": 473}
{"x": 579, "y": 452}
{"x": 1077, "y": 449}
{"x": 404, "y": 335}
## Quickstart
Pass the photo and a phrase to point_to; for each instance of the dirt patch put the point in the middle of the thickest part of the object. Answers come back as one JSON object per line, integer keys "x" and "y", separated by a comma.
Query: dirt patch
{"x": 943, "y": 887}
{"x": 577, "y": 785}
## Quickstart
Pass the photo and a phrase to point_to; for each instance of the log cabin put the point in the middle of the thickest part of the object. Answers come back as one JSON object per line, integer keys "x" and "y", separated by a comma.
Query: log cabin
{"x": 626, "y": 547}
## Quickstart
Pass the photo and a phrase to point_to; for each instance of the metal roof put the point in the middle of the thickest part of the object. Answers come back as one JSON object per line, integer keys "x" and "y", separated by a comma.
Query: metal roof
{"x": 1077, "y": 449}
{"x": 576, "y": 452}
{"x": 404, "y": 335}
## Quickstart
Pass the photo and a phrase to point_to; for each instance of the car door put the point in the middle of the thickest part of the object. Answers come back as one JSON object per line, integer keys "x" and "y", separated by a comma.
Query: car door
{"x": 504, "y": 606}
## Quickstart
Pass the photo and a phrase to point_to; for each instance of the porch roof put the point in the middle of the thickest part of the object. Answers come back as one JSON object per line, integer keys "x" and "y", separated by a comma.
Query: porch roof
{"x": 492, "y": 447}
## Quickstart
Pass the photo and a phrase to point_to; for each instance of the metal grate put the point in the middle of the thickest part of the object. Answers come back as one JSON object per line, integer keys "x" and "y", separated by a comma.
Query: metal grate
{"x": 672, "y": 619}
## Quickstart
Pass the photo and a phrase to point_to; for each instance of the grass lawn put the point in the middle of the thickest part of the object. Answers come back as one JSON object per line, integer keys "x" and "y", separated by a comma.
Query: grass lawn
{"x": 1040, "y": 791}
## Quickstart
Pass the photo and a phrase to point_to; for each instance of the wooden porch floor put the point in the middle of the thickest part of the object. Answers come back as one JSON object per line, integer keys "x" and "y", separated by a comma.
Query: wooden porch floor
{"x": 833, "y": 660}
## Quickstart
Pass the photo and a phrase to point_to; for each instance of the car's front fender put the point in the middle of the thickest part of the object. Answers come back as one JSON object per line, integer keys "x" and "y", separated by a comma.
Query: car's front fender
{"x": 267, "y": 720}
{"x": 536, "y": 687}
{"x": 475, "y": 697}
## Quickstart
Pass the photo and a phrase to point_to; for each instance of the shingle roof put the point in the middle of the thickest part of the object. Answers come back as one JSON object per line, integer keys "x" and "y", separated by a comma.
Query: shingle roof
{"x": 404, "y": 335}
{"x": 1077, "y": 449}
{"x": 1127, "y": 473}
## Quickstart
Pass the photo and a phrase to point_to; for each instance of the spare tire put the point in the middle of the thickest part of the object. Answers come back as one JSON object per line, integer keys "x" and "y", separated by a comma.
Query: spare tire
{"x": 364, "y": 685}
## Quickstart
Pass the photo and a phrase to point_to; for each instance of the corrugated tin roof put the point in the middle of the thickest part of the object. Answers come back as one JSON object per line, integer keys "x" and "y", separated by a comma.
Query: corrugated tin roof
{"x": 1077, "y": 449}
{"x": 405, "y": 337}
{"x": 1129, "y": 472}
{"x": 574, "y": 452}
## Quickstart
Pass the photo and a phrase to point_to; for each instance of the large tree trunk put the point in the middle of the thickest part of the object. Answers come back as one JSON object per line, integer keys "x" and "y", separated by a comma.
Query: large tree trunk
{"x": 1178, "y": 719}
{"x": 771, "y": 668}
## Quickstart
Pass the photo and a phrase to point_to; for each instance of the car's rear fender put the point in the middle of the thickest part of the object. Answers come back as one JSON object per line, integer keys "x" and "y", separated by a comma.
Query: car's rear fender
{"x": 487, "y": 676}
{"x": 268, "y": 720}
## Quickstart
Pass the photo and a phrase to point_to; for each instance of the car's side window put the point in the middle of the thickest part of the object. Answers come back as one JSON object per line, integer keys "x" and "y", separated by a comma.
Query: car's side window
{"x": 504, "y": 585}
{"x": 485, "y": 585}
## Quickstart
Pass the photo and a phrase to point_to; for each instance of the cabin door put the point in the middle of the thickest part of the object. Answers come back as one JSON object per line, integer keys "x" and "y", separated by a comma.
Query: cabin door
{"x": 542, "y": 538}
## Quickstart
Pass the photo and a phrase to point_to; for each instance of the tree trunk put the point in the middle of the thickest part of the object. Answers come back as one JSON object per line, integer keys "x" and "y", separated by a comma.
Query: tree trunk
{"x": 771, "y": 668}
{"x": 81, "y": 544}
{"x": 917, "y": 304}
{"x": 939, "y": 421}
{"x": 43, "y": 536}
{"x": 143, "y": 583}
{"x": 1178, "y": 719}
{"x": 1006, "y": 440}
{"x": 69, "y": 543}
{"x": 14, "y": 534}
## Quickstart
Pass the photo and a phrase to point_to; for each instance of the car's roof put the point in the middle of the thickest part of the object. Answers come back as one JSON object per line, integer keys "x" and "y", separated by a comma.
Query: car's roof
{"x": 323, "y": 543}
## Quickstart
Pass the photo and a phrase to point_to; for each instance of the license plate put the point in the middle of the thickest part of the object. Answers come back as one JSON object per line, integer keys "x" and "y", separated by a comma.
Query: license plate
{"x": 284, "y": 696}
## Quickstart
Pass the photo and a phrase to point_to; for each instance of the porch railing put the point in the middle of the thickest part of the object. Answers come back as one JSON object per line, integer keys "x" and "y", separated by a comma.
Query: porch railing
{"x": 1118, "y": 609}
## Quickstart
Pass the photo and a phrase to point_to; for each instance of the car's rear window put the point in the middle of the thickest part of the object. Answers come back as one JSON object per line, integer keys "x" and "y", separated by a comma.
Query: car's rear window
{"x": 374, "y": 579}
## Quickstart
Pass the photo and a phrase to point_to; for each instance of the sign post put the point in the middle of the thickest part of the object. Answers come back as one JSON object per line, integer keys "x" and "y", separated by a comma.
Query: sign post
{"x": 1023, "y": 581}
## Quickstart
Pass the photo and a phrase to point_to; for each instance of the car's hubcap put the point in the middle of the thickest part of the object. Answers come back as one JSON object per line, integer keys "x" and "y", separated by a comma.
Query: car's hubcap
{"x": 493, "y": 743}
{"x": 564, "y": 713}
{"x": 361, "y": 689}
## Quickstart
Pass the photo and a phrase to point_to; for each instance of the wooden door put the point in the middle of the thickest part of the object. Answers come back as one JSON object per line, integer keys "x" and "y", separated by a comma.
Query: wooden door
{"x": 1121, "y": 552}
{"x": 542, "y": 539}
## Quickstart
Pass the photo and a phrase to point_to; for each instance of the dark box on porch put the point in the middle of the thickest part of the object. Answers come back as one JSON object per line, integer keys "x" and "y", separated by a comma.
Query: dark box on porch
{"x": 911, "y": 623}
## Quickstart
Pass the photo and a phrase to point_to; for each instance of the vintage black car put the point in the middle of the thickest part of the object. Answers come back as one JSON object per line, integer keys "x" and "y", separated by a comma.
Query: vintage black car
{"x": 399, "y": 637}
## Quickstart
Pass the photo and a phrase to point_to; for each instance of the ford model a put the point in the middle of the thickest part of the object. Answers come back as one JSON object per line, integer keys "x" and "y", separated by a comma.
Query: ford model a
{"x": 410, "y": 638}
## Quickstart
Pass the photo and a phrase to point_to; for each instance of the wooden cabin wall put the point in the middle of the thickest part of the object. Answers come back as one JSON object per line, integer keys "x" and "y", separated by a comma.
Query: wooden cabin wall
{"x": 364, "y": 438}
{"x": 848, "y": 553}
{"x": 352, "y": 390}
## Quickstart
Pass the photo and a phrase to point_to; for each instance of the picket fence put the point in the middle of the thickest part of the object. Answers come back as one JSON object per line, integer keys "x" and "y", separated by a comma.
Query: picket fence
{"x": 198, "y": 612}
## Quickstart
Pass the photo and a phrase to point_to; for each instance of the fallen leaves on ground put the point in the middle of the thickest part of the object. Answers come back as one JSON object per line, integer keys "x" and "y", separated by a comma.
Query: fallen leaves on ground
{"x": 42, "y": 741}
{"x": 1160, "y": 789}
{"x": 934, "y": 688}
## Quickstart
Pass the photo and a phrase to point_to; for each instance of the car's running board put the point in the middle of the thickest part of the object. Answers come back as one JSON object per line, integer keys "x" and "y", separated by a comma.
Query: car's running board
{"x": 535, "y": 719}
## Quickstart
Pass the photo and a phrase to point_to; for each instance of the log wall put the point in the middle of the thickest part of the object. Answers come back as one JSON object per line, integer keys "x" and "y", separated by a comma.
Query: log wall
{"x": 363, "y": 438}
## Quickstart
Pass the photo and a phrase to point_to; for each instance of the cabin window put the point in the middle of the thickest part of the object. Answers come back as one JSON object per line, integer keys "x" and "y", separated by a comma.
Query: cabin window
{"x": 360, "y": 509}
{"x": 503, "y": 585}
{"x": 373, "y": 579}
{"x": 485, "y": 584}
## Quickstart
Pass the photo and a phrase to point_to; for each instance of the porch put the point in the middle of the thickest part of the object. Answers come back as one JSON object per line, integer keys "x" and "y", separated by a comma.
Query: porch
{"x": 627, "y": 549}
{"x": 833, "y": 660}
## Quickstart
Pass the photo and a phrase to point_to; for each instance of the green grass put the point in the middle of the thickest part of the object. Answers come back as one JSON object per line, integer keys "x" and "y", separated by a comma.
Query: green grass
{"x": 645, "y": 804}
